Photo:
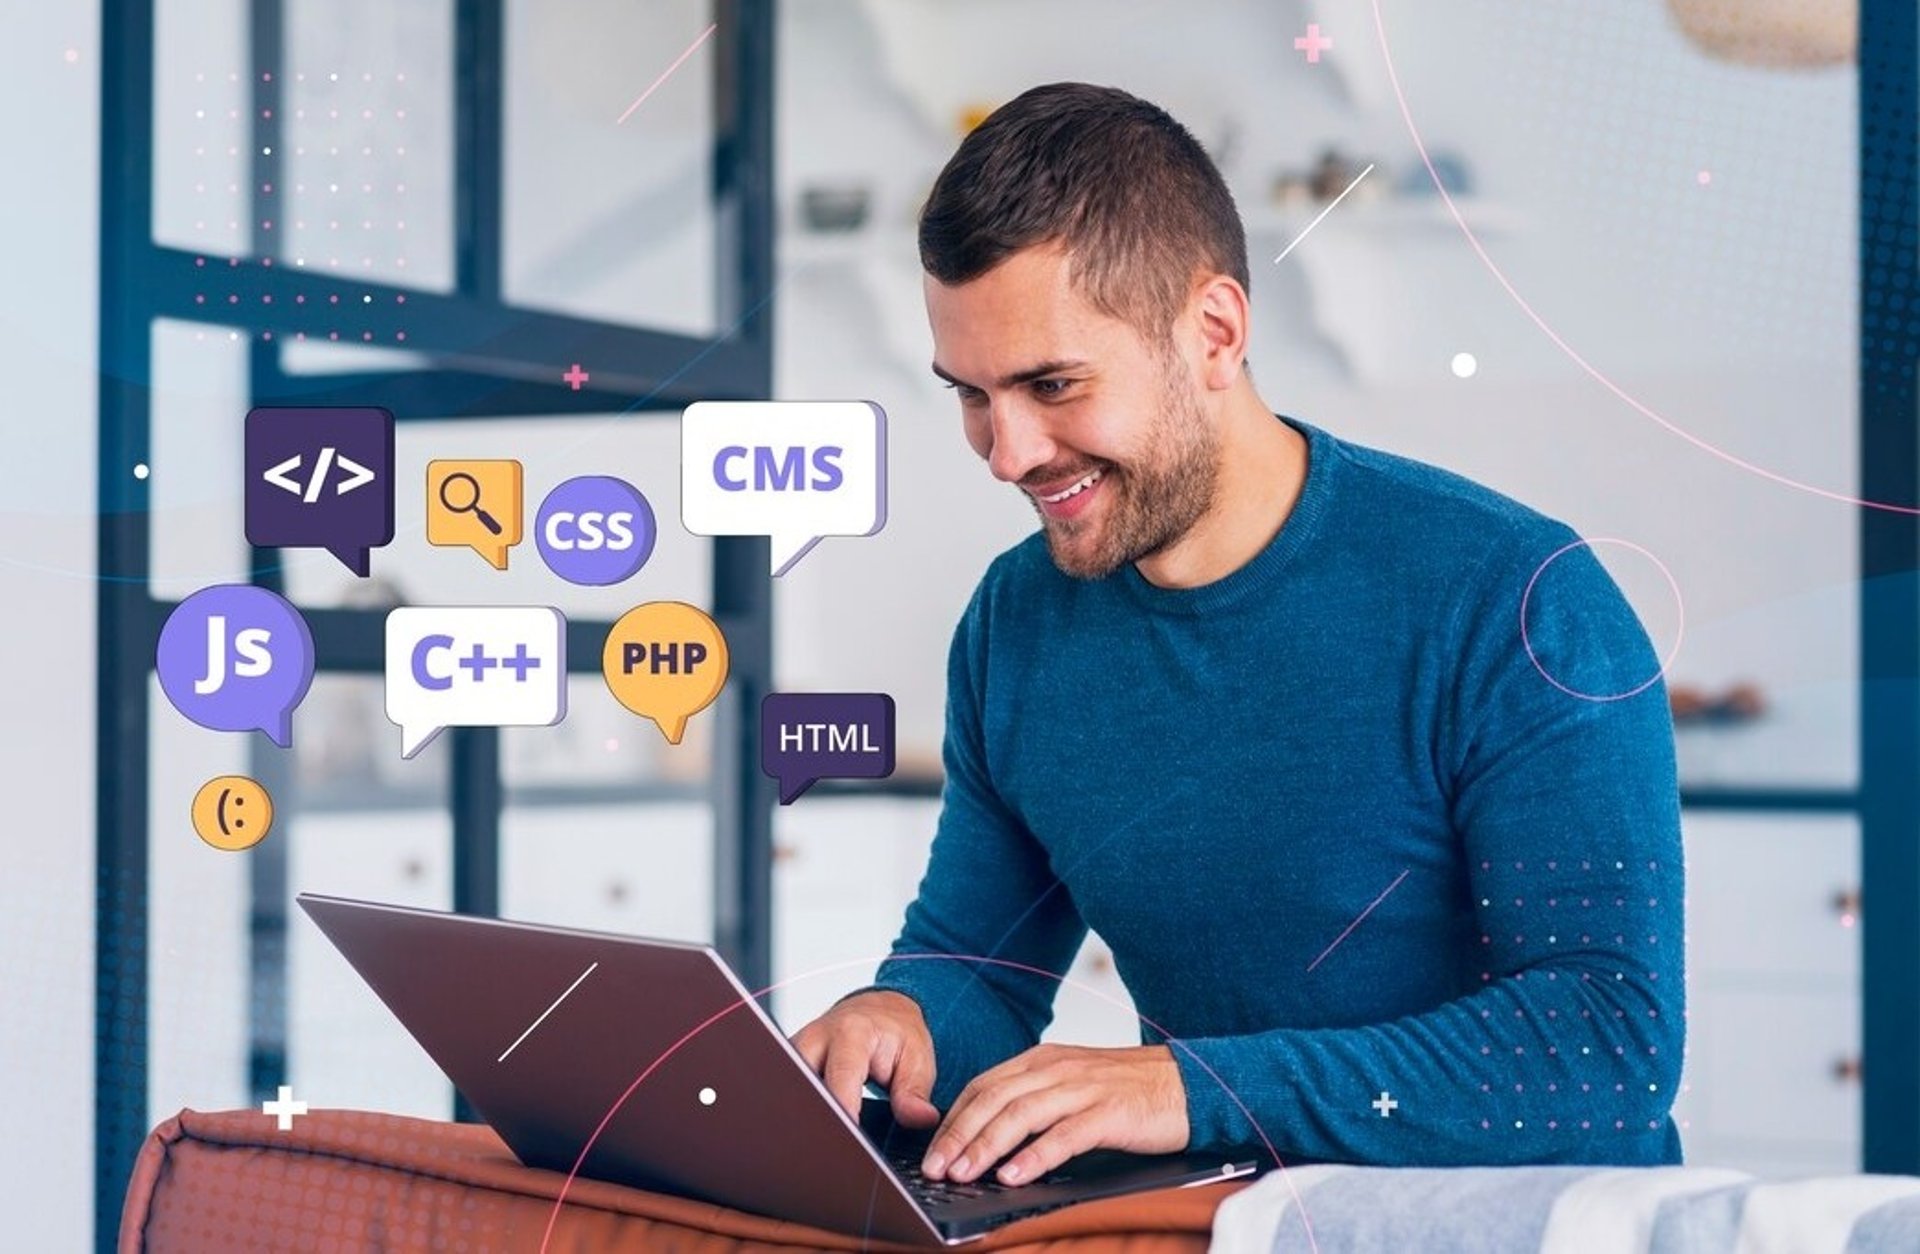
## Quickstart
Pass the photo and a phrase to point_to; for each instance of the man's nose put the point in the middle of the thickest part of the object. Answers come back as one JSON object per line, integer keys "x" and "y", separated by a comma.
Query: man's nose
{"x": 1020, "y": 443}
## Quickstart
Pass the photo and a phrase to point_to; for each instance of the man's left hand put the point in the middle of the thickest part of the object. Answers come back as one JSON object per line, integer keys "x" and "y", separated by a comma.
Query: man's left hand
{"x": 1074, "y": 1098}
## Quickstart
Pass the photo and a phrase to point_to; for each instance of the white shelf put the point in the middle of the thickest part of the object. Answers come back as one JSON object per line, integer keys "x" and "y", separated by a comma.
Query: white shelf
{"x": 1409, "y": 213}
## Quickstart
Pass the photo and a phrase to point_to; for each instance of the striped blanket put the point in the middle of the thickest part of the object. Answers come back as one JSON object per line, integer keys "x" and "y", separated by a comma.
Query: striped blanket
{"x": 1567, "y": 1210}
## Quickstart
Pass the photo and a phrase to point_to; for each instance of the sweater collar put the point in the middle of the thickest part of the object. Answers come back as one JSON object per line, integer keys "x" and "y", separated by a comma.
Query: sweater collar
{"x": 1299, "y": 527}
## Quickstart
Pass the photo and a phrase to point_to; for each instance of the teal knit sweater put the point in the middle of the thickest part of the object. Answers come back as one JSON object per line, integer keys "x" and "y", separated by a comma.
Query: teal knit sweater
{"x": 1397, "y": 884}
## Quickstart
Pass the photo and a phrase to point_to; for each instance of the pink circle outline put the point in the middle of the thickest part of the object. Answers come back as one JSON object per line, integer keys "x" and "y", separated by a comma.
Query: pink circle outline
{"x": 559, "y": 1201}
{"x": 1446, "y": 197}
{"x": 1680, "y": 630}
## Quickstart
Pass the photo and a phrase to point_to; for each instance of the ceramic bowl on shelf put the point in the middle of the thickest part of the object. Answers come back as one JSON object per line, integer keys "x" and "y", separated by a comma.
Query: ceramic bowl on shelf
{"x": 835, "y": 208}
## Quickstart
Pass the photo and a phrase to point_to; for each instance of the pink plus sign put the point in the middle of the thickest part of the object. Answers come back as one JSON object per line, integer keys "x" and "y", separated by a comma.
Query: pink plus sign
{"x": 576, "y": 376}
{"x": 1312, "y": 43}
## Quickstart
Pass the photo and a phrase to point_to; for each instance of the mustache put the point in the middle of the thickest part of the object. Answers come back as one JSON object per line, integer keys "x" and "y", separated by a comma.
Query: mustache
{"x": 1050, "y": 474}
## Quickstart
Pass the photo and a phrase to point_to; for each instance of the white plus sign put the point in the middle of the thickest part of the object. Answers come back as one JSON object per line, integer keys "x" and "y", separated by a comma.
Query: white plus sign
{"x": 1384, "y": 1104}
{"x": 285, "y": 1108}
{"x": 1313, "y": 43}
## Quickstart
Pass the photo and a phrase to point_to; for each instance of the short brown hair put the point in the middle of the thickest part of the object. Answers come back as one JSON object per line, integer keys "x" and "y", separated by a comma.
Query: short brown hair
{"x": 1137, "y": 202}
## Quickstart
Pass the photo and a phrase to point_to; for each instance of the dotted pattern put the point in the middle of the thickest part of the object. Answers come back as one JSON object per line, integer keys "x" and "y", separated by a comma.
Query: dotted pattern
{"x": 320, "y": 224}
{"x": 1594, "y": 1062}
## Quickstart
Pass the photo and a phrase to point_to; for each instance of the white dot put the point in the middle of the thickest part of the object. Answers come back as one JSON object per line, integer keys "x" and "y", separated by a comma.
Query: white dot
{"x": 366, "y": 300}
{"x": 1464, "y": 365}
{"x": 140, "y": 471}
{"x": 1706, "y": 177}
{"x": 707, "y": 1097}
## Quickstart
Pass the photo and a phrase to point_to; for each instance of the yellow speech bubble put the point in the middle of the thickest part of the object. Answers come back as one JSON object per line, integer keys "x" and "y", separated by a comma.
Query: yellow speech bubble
{"x": 475, "y": 504}
{"x": 232, "y": 812}
{"x": 665, "y": 661}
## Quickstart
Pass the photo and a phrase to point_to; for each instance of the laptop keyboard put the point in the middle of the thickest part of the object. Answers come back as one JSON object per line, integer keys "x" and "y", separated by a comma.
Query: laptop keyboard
{"x": 934, "y": 1192}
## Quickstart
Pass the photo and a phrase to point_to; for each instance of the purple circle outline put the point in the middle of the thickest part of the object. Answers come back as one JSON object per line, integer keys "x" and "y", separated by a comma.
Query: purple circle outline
{"x": 1679, "y": 634}
{"x": 1572, "y": 354}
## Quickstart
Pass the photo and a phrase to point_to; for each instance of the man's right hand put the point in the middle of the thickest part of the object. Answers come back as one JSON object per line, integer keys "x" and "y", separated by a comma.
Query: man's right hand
{"x": 879, "y": 1035}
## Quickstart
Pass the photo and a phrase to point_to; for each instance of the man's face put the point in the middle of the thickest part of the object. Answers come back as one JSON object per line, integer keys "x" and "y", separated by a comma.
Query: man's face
{"x": 1105, "y": 433}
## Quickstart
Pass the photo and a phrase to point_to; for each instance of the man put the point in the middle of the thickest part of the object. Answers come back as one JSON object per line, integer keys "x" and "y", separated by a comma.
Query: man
{"x": 1389, "y": 878}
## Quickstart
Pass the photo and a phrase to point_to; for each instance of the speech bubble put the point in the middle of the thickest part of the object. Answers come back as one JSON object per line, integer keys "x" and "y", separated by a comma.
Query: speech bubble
{"x": 320, "y": 478}
{"x": 793, "y": 471}
{"x": 474, "y": 666}
{"x": 474, "y": 503}
{"x": 595, "y": 530}
{"x": 806, "y": 737}
{"x": 234, "y": 657}
{"x": 666, "y": 661}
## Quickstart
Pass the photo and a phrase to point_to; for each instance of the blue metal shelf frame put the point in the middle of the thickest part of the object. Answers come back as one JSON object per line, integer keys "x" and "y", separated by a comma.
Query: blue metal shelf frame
{"x": 1889, "y": 224}
{"x": 487, "y": 359}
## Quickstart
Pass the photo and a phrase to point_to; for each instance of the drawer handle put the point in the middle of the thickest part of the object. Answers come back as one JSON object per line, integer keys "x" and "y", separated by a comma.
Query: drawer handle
{"x": 1101, "y": 963}
{"x": 1846, "y": 904}
{"x": 1847, "y": 1070}
{"x": 785, "y": 853}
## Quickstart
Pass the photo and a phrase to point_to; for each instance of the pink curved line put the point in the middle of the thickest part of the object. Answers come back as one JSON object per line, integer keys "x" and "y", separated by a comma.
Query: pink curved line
{"x": 1679, "y": 632}
{"x": 1420, "y": 144}
{"x": 559, "y": 1201}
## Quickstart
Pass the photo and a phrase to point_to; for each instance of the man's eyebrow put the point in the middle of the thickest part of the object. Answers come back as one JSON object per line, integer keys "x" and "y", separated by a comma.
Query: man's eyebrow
{"x": 1018, "y": 377}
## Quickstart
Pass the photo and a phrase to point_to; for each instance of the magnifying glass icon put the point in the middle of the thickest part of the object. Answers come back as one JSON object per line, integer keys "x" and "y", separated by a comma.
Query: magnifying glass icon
{"x": 472, "y": 505}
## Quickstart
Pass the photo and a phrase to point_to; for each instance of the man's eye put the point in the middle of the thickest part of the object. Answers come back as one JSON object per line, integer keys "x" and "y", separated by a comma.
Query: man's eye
{"x": 1051, "y": 387}
{"x": 968, "y": 396}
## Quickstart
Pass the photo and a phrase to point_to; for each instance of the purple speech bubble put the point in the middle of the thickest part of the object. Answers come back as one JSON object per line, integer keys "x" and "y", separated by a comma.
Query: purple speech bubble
{"x": 595, "y": 530}
{"x": 321, "y": 478}
{"x": 806, "y": 737}
{"x": 234, "y": 658}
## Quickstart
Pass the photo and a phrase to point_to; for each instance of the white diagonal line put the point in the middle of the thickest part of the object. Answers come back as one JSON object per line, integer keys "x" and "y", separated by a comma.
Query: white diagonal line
{"x": 319, "y": 475}
{"x": 1323, "y": 213}
{"x": 544, "y": 1013}
{"x": 664, "y": 74}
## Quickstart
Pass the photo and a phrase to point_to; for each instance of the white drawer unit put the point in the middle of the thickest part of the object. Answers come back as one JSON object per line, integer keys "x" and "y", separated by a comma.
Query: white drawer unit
{"x": 844, "y": 870}
{"x": 1774, "y": 896}
{"x": 1773, "y": 980}
{"x": 642, "y": 870}
{"x": 1779, "y": 1079}
{"x": 345, "y": 1049}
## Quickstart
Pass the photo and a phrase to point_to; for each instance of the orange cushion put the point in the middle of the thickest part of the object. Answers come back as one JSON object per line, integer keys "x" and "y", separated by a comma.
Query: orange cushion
{"x": 348, "y": 1180}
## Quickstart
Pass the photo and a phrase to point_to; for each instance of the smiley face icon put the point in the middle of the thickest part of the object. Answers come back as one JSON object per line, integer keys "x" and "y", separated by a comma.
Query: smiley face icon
{"x": 232, "y": 812}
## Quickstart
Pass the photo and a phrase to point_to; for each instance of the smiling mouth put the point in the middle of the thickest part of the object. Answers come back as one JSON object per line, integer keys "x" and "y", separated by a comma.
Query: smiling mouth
{"x": 1072, "y": 490}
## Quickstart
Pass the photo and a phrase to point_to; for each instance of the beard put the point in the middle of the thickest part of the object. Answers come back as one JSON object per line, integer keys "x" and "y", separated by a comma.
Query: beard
{"x": 1149, "y": 504}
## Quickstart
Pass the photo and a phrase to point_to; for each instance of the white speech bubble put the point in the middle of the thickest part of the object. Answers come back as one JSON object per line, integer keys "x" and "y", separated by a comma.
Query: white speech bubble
{"x": 474, "y": 666}
{"x": 793, "y": 471}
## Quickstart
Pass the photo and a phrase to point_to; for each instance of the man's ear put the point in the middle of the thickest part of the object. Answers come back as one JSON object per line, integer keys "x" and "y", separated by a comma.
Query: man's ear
{"x": 1220, "y": 304}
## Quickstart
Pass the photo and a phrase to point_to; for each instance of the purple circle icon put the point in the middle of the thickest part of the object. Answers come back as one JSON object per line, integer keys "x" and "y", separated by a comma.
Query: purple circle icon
{"x": 595, "y": 530}
{"x": 235, "y": 658}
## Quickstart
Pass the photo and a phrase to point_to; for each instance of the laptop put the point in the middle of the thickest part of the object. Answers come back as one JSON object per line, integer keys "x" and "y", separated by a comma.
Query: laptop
{"x": 647, "y": 1063}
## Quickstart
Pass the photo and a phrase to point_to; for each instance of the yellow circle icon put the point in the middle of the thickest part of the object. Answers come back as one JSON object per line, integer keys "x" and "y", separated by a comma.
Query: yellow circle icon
{"x": 232, "y": 812}
{"x": 665, "y": 661}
